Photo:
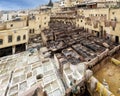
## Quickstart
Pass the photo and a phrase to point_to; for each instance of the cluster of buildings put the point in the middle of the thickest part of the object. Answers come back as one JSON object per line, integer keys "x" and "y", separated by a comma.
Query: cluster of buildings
{"x": 77, "y": 35}
{"x": 100, "y": 21}
{"x": 76, "y": 50}
{"x": 15, "y": 34}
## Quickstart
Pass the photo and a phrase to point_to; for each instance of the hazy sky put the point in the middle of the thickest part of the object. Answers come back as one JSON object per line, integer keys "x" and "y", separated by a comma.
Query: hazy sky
{"x": 21, "y": 4}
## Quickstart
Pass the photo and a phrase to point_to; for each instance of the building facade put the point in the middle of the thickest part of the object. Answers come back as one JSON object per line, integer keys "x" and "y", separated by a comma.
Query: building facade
{"x": 13, "y": 41}
{"x": 101, "y": 22}
{"x": 15, "y": 34}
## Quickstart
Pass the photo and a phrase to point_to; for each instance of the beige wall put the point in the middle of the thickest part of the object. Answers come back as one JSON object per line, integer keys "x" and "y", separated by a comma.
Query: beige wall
{"x": 16, "y": 24}
{"x": 45, "y": 19}
{"x": 100, "y": 15}
{"x": 15, "y": 33}
{"x": 39, "y": 23}
{"x": 115, "y": 13}
{"x": 20, "y": 28}
{"x": 69, "y": 3}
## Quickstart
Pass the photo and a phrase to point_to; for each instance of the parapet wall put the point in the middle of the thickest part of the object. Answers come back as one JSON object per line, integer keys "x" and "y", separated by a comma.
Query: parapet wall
{"x": 100, "y": 57}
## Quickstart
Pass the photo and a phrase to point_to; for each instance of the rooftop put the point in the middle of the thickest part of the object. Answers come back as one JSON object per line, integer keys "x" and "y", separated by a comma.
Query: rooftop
{"x": 22, "y": 71}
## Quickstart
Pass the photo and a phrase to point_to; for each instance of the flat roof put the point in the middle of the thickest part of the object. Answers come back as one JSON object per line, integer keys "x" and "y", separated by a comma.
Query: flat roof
{"x": 15, "y": 29}
{"x": 23, "y": 70}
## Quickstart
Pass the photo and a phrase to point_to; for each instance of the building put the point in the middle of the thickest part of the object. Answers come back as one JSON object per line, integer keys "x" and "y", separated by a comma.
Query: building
{"x": 38, "y": 22}
{"x": 18, "y": 32}
{"x": 102, "y": 22}
{"x": 13, "y": 41}
{"x": 70, "y": 3}
{"x": 97, "y": 17}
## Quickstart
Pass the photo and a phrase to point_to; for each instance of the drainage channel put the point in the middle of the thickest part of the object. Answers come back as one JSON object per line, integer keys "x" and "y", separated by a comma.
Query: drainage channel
{"x": 9, "y": 83}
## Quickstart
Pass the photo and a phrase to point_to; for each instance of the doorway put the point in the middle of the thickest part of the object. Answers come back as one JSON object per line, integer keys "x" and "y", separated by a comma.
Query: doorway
{"x": 116, "y": 39}
{"x": 6, "y": 51}
{"x": 98, "y": 34}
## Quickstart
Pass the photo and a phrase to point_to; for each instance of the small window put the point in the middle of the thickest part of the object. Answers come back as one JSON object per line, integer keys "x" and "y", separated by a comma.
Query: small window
{"x": 39, "y": 26}
{"x": 81, "y": 21}
{"x": 1, "y": 41}
{"x": 113, "y": 28}
{"x": 24, "y": 37}
{"x": 33, "y": 30}
{"x": 9, "y": 38}
{"x": 45, "y": 23}
{"x": 30, "y": 31}
{"x": 11, "y": 25}
{"x": 18, "y": 38}
{"x": 45, "y": 18}
{"x": 115, "y": 19}
{"x": 113, "y": 13}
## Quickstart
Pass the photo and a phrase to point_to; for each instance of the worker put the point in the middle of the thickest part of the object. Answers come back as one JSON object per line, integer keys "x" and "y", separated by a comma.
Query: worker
{"x": 75, "y": 89}
{"x": 105, "y": 84}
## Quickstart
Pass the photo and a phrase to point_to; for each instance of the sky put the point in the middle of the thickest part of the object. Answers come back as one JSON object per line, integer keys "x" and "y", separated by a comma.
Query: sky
{"x": 21, "y": 4}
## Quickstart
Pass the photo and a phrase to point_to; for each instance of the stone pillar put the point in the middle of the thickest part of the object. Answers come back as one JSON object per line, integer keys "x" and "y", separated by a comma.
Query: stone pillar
{"x": 26, "y": 46}
{"x": 13, "y": 49}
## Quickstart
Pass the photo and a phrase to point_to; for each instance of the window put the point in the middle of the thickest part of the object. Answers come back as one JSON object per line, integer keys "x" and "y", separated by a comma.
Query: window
{"x": 39, "y": 26}
{"x": 9, "y": 38}
{"x": 11, "y": 25}
{"x": 24, "y": 37}
{"x": 1, "y": 41}
{"x": 30, "y": 31}
{"x": 113, "y": 13}
{"x": 33, "y": 30}
{"x": 111, "y": 19}
{"x": 115, "y": 19}
{"x": 45, "y": 18}
{"x": 45, "y": 23}
{"x": 18, "y": 38}
{"x": 81, "y": 21}
{"x": 113, "y": 28}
